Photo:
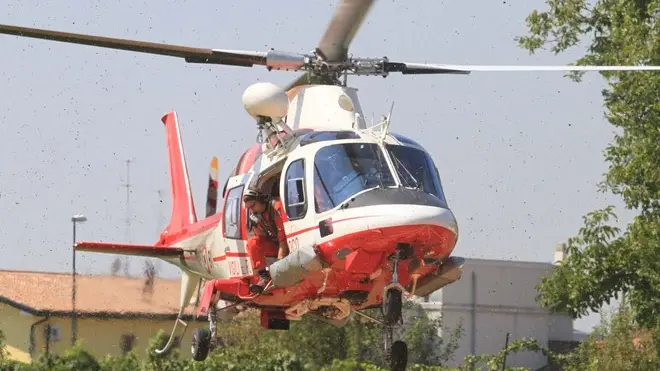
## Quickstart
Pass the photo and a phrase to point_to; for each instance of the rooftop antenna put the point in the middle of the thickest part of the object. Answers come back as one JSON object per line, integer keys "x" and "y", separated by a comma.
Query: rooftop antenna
{"x": 127, "y": 231}
{"x": 160, "y": 217}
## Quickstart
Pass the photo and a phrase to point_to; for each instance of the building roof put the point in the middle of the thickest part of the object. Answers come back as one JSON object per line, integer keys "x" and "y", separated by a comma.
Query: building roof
{"x": 506, "y": 263}
{"x": 45, "y": 293}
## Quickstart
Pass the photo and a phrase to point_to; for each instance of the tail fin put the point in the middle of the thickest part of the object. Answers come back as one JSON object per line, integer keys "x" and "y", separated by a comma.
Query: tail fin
{"x": 212, "y": 193}
{"x": 183, "y": 208}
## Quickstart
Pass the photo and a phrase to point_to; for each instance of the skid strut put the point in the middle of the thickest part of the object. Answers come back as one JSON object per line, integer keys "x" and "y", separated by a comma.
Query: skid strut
{"x": 170, "y": 341}
{"x": 396, "y": 352}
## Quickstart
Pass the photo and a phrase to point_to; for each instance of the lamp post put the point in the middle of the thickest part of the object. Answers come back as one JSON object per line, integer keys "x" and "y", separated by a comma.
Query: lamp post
{"x": 78, "y": 218}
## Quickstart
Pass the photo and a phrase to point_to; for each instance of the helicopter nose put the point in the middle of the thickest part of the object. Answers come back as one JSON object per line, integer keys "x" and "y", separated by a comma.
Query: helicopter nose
{"x": 393, "y": 216}
{"x": 404, "y": 206}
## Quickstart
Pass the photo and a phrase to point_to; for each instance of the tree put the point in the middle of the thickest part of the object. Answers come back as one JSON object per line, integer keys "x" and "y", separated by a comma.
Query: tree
{"x": 115, "y": 266}
{"x": 617, "y": 344}
{"x": 150, "y": 273}
{"x": 604, "y": 261}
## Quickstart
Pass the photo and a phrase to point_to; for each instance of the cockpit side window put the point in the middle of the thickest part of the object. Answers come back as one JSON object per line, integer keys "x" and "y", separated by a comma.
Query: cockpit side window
{"x": 416, "y": 169}
{"x": 294, "y": 188}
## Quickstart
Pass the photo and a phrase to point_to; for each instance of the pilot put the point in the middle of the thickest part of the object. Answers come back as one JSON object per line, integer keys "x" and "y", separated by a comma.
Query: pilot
{"x": 267, "y": 223}
{"x": 322, "y": 199}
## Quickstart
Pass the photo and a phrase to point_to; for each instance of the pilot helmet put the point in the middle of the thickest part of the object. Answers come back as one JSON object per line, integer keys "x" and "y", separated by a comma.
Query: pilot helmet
{"x": 254, "y": 194}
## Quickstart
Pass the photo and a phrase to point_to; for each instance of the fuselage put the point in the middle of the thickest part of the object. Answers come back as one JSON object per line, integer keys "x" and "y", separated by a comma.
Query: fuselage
{"x": 346, "y": 192}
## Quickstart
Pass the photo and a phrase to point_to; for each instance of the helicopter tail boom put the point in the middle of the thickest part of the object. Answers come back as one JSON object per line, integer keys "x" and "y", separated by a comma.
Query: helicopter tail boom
{"x": 129, "y": 249}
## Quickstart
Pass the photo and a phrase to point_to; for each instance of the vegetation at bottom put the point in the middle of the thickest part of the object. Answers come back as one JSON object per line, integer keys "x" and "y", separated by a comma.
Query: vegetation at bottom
{"x": 309, "y": 344}
{"x": 314, "y": 345}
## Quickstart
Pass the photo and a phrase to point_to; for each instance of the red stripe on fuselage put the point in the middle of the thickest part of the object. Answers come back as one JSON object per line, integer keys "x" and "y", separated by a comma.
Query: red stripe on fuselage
{"x": 309, "y": 229}
{"x": 230, "y": 255}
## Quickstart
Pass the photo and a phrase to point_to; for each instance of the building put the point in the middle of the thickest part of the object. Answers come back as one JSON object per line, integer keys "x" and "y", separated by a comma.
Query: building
{"x": 496, "y": 297}
{"x": 114, "y": 313}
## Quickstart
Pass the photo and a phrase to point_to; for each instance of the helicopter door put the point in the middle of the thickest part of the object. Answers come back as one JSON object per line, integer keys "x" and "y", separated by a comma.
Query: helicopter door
{"x": 234, "y": 229}
{"x": 294, "y": 188}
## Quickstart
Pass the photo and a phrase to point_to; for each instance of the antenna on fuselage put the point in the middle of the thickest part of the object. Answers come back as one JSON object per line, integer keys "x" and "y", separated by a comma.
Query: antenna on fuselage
{"x": 386, "y": 124}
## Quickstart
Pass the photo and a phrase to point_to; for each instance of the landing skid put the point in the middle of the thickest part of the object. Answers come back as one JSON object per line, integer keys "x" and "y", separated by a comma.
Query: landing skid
{"x": 204, "y": 340}
{"x": 188, "y": 285}
{"x": 170, "y": 341}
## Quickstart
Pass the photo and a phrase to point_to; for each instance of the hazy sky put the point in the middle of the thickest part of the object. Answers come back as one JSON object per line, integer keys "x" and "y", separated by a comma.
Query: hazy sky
{"x": 520, "y": 153}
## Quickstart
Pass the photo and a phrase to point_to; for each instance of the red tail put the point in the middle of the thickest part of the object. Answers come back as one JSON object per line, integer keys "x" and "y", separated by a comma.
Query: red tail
{"x": 183, "y": 208}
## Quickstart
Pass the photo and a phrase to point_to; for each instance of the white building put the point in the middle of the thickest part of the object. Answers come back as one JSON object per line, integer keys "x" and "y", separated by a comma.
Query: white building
{"x": 494, "y": 297}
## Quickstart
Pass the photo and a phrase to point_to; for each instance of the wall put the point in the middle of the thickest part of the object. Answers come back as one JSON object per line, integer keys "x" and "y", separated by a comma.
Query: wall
{"x": 493, "y": 298}
{"x": 103, "y": 337}
{"x": 100, "y": 337}
{"x": 16, "y": 327}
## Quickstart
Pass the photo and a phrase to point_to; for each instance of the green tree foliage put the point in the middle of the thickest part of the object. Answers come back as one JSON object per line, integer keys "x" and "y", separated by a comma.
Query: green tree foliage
{"x": 603, "y": 260}
{"x": 617, "y": 344}
{"x": 310, "y": 344}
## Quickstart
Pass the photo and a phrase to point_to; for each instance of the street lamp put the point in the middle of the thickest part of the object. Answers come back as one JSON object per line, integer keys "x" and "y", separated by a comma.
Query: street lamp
{"x": 78, "y": 218}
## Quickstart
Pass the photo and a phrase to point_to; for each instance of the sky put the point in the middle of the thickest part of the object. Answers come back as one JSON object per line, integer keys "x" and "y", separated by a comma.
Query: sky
{"x": 520, "y": 153}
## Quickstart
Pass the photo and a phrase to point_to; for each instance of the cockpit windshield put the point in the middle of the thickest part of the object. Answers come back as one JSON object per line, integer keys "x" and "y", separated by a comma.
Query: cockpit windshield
{"x": 416, "y": 169}
{"x": 342, "y": 170}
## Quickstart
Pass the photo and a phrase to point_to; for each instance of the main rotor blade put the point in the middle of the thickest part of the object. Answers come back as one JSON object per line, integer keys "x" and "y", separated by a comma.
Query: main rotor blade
{"x": 418, "y": 68}
{"x": 191, "y": 55}
{"x": 341, "y": 30}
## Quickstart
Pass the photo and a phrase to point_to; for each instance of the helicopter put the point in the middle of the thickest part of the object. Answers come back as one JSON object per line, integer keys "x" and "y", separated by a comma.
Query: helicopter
{"x": 366, "y": 217}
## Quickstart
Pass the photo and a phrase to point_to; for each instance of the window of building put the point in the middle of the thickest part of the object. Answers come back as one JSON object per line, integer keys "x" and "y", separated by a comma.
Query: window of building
{"x": 52, "y": 333}
{"x": 232, "y": 213}
{"x": 296, "y": 200}
{"x": 127, "y": 342}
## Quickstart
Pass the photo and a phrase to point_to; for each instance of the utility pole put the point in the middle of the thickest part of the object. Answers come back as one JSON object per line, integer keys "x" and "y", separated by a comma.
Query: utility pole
{"x": 506, "y": 351}
{"x": 78, "y": 218}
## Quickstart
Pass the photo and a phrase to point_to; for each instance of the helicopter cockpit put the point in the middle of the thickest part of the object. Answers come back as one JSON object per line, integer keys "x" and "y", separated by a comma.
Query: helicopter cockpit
{"x": 340, "y": 170}
{"x": 330, "y": 167}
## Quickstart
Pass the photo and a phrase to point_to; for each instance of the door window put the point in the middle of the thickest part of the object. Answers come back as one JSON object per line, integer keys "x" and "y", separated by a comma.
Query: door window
{"x": 232, "y": 213}
{"x": 294, "y": 188}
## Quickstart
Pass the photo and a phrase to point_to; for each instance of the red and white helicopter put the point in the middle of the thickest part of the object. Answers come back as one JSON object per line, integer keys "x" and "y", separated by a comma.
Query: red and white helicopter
{"x": 367, "y": 218}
